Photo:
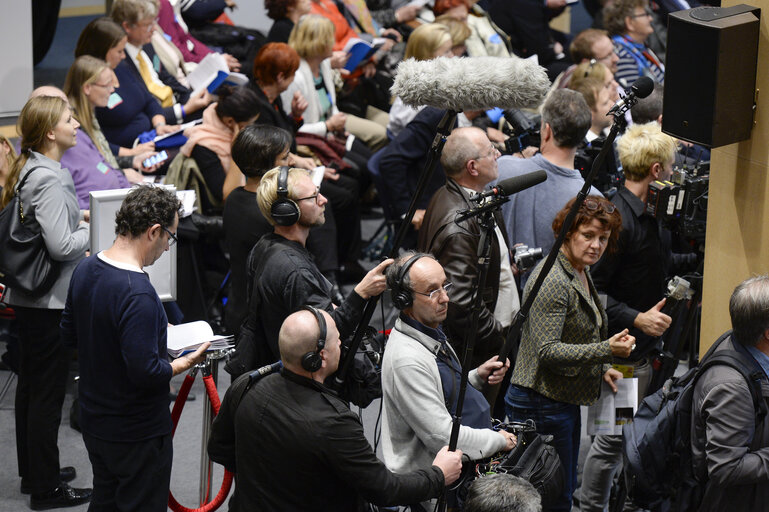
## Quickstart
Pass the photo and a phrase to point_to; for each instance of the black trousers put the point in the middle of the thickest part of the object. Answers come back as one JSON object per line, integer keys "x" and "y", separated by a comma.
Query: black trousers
{"x": 131, "y": 476}
{"x": 43, "y": 368}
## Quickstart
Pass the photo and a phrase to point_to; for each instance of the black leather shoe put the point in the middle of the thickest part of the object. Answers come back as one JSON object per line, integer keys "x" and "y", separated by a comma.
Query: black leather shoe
{"x": 66, "y": 474}
{"x": 62, "y": 496}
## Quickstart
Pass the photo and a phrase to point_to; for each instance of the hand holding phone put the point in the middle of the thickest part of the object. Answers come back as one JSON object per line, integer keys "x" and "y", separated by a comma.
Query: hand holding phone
{"x": 155, "y": 159}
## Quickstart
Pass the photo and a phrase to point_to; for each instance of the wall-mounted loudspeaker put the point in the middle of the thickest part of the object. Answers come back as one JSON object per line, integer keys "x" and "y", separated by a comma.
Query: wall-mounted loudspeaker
{"x": 710, "y": 74}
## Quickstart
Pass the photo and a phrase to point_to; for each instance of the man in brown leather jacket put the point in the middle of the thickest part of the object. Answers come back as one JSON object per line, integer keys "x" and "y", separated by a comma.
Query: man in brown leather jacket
{"x": 470, "y": 163}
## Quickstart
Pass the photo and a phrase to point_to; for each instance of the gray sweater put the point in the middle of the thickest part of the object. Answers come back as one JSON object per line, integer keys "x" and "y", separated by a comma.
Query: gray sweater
{"x": 415, "y": 421}
{"x": 50, "y": 206}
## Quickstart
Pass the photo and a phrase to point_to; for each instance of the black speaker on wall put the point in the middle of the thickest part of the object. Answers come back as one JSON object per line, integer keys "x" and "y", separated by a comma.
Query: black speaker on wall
{"x": 710, "y": 74}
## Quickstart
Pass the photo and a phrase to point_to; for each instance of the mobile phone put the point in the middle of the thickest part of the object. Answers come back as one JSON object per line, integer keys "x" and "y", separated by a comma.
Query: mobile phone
{"x": 155, "y": 159}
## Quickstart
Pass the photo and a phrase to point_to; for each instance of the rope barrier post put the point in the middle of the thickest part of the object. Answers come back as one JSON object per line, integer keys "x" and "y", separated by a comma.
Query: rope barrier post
{"x": 211, "y": 367}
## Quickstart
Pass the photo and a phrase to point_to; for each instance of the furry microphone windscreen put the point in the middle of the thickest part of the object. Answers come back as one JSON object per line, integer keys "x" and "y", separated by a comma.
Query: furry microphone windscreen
{"x": 471, "y": 83}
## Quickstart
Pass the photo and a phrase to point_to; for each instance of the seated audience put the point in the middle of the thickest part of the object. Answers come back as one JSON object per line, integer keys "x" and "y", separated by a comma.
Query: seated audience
{"x": 171, "y": 21}
{"x": 106, "y": 40}
{"x": 459, "y": 32}
{"x": 210, "y": 143}
{"x": 486, "y": 38}
{"x": 629, "y": 23}
{"x": 89, "y": 84}
{"x": 285, "y": 14}
{"x": 137, "y": 17}
{"x": 426, "y": 42}
{"x": 313, "y": 38}
{"x": 589, "y": 45}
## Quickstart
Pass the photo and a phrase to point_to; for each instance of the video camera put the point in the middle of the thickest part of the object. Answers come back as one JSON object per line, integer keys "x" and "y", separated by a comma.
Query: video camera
{"x": 610, "y": 177}
{"x": 522, "y": 130}
{"x": 681, "y": 203}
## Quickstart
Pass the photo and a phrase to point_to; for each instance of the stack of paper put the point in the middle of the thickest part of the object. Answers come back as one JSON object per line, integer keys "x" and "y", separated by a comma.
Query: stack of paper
{"x": 186, "y": 338}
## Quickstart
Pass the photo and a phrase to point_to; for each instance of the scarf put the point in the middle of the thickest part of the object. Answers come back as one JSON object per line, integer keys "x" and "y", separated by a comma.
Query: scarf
{"x": 213, "y": 134}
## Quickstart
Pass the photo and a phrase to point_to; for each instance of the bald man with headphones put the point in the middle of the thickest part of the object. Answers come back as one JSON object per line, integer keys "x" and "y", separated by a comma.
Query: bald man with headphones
{"x": 282, "y": 274}
{"x": 294, "y": 445}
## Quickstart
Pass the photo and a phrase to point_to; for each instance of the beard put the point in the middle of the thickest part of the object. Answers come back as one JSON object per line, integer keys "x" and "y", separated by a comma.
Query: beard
{"x": 319, "y": 221}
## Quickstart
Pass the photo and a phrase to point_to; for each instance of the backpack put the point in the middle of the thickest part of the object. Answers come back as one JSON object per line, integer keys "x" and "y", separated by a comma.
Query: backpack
{"x": 656, "y": 446}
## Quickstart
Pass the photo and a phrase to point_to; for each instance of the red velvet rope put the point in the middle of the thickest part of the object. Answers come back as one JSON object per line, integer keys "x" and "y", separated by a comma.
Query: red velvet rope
{"x": 181, "y": 398}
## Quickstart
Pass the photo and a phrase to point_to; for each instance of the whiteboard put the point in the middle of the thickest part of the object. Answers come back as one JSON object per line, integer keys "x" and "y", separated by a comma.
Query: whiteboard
{"x": 104, "y": 207}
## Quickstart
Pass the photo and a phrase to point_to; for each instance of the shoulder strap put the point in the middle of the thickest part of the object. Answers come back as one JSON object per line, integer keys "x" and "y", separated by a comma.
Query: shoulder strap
{"x": 746, "y": 367}
{"x": 24, "y": 179}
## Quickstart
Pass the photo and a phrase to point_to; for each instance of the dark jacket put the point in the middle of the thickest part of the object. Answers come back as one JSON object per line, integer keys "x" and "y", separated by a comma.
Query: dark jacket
{"x": 404, "y": 158}
{"x": 282, "y": 277}
{"x": 455, "y": 246}
{"x": 181, "y": 93}
{"x": 295, "y": 446}
{"x": 727, "y": 445}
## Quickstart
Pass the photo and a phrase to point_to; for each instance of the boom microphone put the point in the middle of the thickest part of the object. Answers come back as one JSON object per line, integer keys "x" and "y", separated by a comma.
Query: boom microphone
{"x": 471, "y": 83}
{"x": 641, "y": 88}
{"x": 512, "y": 185}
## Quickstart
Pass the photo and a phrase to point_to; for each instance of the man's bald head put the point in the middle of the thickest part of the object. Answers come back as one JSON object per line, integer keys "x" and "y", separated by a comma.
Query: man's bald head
{"x": 48, "y": 90}
{"x": 299, "y": 335}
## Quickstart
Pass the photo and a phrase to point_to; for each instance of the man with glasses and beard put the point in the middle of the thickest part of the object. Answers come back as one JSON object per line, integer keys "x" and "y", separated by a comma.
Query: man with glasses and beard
{"x": 282, "y": 275}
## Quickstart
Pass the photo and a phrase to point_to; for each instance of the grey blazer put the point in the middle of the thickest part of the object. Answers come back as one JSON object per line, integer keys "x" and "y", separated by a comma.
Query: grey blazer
{"x": 50, "y": 206}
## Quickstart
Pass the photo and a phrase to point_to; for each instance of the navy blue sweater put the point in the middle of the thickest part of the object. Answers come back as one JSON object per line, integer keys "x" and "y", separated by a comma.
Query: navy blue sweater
{"x": 117, "y": 321}
{"x": 133, "y": 113}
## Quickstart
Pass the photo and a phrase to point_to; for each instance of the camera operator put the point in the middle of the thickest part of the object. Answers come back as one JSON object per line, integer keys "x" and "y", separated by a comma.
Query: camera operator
{"x": 470, "y": 162}
{"x": 294, "y": 445}
{"x": 421, "y": 375}
{"x": 565, "y": 120}
{"x": 633, "y": 280}
{"x": 282, "y": 274}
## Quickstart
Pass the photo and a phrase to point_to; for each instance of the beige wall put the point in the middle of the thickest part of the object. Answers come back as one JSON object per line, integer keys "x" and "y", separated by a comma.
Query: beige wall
{"x": 737, "y": 243}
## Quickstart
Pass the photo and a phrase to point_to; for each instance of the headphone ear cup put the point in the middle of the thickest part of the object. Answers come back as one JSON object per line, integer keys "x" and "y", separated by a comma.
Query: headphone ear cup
{"x": 284, "y": 212}
{"x": 312, "y": 362}
{"x": 401, "y": 299}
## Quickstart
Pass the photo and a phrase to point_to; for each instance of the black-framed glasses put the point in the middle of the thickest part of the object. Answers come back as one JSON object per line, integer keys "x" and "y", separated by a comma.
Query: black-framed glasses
{"x": 314, "y": 196}
{"x": 592, "y": 205}
{"x": 433, "y": 294}
{"x": 171, "y": 237}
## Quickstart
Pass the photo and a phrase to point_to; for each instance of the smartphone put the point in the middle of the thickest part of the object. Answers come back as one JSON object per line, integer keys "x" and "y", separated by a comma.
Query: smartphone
{"x": 155, "y": 159}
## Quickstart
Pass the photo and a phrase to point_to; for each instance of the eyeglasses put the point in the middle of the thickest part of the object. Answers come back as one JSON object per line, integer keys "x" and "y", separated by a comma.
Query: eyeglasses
{"x": 171, "y": 237}
{"x": 315, "y": 197}
{"x": 647, "y": 12}
{"x": 593, "y": 205}
{"x": 491, "y": 152}
{"x": 433, "y": 294}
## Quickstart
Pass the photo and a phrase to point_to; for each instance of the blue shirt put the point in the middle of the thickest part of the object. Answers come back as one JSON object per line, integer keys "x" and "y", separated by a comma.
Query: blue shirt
{"x": 761, "y": 358}
{"x": 114, "y": 316}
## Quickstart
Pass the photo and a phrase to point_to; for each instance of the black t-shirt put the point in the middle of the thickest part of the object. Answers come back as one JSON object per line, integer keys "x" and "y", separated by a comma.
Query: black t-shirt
{"x": 244, "y": 225}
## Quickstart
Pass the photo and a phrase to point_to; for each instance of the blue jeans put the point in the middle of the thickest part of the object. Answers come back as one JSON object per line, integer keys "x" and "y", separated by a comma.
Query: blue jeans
{"x": 559, "y": 419}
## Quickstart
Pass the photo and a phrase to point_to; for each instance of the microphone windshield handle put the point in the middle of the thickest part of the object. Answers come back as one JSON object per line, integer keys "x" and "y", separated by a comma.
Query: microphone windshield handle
{"x": 514, "y": 333}
{"x": 444, "y": 129}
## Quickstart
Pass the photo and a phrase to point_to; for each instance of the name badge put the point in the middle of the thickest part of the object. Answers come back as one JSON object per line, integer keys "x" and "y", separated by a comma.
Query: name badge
{"x": 114, "y": 100}
{"x": 102, "y": 167}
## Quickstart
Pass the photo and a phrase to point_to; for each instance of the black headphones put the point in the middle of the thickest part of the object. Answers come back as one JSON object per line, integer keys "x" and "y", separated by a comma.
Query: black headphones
{"x": 284, "y": 211}
{"x": 402, "y": 297}
{"x": 312, "y": 361}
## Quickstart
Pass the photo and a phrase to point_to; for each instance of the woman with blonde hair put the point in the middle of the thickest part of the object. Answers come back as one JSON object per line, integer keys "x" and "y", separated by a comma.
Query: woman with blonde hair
{"x": 313, "y": 39}
{"x": 47, "y": 130}
{"x": 595, "y": 69}
{"x": 93, "y": 166}
{"x": 425, "y": 42}
{"x": 460, "y": 33}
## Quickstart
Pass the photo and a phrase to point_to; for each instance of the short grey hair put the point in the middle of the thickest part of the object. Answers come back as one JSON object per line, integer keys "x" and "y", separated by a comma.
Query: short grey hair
{"x": 749, "y": 309}
{"x": 459, "y": 149}
{"x": 502, "y": 493}
{"x": 569, "y": 117}
{"x": 393, "y": 271}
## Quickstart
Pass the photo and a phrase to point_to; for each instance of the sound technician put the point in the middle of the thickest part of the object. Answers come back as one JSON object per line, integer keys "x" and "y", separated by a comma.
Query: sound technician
{"x": 282, "y": 274}
{"x": 294, "y": 445}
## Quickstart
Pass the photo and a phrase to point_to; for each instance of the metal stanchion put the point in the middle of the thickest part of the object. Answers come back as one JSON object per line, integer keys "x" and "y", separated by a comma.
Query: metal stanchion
{"x": 210, "y": 367}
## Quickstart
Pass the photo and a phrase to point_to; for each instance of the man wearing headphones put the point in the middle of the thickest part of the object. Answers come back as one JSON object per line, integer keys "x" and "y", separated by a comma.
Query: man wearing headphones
{"x": 295, "y": 445}
{"x": 421, "y": 373}
{"x": 282, "y": 274}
